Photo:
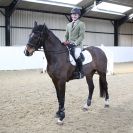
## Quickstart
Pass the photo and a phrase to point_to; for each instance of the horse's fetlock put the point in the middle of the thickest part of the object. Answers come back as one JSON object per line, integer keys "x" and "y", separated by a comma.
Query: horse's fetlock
{"x": 62, "y": 115}
{"x": 88, "y": 102}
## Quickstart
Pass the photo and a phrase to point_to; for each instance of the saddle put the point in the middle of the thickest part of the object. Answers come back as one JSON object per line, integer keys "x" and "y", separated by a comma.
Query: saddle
{"x": 71, "y": 49}
{"x": 78, "y": 60}
{"x": 85, "y": 56}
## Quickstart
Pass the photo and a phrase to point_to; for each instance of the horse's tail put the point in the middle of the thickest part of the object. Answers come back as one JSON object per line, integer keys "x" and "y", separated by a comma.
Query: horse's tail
{"x": 102, "y": 85}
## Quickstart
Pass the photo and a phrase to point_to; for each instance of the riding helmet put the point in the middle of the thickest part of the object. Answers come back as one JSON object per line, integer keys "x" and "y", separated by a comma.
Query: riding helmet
{"x": 76, "y": 11}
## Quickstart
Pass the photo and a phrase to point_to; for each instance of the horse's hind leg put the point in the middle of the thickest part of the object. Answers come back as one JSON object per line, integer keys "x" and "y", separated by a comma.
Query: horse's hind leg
{"x": 104, "y": 88}
{"x": 90, "y": 83}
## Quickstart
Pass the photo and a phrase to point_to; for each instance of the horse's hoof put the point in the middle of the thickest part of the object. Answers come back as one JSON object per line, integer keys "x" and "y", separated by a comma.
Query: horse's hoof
{"x": 59, "y": 122}
{"x": 85, "y": 108}
{"x": 106, "y": 103}
{"x": 106, "y": 106}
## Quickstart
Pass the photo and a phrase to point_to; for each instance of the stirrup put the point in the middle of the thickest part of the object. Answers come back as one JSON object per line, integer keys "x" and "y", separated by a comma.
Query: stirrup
{"x": 78, "y": 75}
{"x": 81, "y": 75}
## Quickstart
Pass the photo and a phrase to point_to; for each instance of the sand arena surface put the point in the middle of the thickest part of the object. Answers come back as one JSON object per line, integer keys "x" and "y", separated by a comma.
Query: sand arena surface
{"x": 28, "y": 104}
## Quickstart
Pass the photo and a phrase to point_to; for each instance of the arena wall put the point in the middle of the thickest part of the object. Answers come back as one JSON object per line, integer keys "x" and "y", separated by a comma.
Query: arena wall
{"x": 13, "y": 58}
{"x": 97, "y": 31}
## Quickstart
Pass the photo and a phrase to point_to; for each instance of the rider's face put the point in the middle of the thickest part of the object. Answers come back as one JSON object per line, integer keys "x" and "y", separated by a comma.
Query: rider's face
{"x": 74, "y": 17}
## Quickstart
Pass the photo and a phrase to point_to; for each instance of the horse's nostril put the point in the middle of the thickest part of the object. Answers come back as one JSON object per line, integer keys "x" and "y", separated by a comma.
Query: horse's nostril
{"x": 26, "y": 53}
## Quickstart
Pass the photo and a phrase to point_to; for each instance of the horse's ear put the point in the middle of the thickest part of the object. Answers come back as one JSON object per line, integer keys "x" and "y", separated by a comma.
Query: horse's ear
{"x": 44, "y": 25}
{"x": 35, "y": 24}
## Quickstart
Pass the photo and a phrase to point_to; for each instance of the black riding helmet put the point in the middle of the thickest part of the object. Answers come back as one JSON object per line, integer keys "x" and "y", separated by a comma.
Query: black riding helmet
{"x": 76, "y": 11}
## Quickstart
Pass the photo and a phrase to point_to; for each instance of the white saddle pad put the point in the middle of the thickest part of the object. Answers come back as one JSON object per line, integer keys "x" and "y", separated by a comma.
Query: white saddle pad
{"x": 87, "y": 56}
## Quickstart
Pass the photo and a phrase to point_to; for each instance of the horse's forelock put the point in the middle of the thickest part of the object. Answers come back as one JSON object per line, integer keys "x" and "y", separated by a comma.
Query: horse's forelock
{"x": 39, "y": 28}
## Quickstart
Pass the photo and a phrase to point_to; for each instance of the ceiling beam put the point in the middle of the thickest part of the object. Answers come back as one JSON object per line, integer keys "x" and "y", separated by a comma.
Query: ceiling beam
{"x": 2, "y": 12}
{"x": 12, "y": 7}
{"x": 86, "y": 10}
{"x": 89, "y": 7}
{"x": 123, "y": 20}
{"x": 68, "y": 18}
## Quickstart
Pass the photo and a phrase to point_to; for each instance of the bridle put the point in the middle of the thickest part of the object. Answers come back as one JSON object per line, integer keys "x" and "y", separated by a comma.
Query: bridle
{"x": 41, "y": 38}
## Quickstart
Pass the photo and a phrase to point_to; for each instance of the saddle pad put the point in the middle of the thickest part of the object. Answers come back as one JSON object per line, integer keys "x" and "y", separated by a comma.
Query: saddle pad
{"x": 87, "y": 56}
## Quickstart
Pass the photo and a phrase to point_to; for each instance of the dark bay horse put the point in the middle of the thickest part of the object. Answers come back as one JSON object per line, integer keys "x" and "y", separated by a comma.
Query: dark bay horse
{"x": 60, "y": 69}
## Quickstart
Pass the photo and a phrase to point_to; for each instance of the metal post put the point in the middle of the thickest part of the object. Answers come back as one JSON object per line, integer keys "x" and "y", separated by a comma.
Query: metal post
{"x": 116, "y": 27}
{"x": 7, "y": 28}
{"x": 8, "y": 12}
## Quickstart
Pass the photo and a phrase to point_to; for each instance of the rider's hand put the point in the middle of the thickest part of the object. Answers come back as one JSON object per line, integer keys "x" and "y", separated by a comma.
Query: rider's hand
{"x": 66, "y": 43}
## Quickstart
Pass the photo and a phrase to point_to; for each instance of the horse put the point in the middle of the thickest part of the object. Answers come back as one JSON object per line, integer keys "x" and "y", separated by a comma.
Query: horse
{"x": 61, "y": 70}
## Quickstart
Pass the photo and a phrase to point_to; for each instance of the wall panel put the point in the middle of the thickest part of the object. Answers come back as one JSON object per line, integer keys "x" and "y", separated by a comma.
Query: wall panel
{"x": 98, "y": 25}
{"x": 125, "y": 40}
{"x": 95, "y": 39}
{"x": 2, "y": 29}
{"x": 26, "y": 19}
{"x": 126, "y": 28}
{"x": 98, "y": 31}
{"x": 126, "y": 34}
{"x": 19, "y": 37}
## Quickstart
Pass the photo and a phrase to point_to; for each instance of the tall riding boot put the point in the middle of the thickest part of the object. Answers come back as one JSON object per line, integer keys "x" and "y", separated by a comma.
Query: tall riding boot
{"x": 80, "y": 67}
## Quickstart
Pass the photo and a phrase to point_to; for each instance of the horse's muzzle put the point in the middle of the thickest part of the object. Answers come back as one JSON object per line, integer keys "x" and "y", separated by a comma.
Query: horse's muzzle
{"x": 29, "y": 51}
{"x": 26, "y": 52}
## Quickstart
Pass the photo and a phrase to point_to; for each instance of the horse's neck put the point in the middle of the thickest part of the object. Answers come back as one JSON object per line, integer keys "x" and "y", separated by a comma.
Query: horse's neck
{"x": 52, "y": 48}
{"x": 54, "y": 41}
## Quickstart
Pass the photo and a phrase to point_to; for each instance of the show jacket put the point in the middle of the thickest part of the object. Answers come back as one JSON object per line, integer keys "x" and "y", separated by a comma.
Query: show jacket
{"x": 76, "y": 34}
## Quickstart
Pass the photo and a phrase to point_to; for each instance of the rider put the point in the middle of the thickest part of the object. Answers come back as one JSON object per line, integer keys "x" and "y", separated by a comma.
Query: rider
{"x": 73, "y": 38}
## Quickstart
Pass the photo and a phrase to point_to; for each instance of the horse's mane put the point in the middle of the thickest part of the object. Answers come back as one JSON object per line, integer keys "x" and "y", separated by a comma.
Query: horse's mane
{"x": 51, "y": 34}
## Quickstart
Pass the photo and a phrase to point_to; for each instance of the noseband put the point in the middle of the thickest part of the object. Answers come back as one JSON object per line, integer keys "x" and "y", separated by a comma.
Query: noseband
{"x": 39, "y": 39}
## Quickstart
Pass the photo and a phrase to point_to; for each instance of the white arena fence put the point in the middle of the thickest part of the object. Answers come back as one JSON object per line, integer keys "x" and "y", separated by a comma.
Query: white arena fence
{"x": 13, "y": 58}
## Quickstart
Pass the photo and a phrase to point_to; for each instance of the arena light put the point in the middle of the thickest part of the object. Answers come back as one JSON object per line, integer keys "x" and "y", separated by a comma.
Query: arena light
{"x": 111, "y": 8}
{"x": 73, "y": 2}
{"x": 57, "y": 3}
{"x": 131, "y": 16}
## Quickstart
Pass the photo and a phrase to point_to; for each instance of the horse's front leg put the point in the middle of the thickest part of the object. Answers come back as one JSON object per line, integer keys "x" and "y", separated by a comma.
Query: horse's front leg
{"x": 60, "y": 91}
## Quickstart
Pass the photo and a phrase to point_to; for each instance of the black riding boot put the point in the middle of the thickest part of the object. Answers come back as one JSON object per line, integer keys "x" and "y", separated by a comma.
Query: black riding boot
{"x": 80, "y": 68}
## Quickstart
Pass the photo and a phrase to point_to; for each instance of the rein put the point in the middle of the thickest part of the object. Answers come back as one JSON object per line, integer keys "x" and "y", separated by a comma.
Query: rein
{"x": 56, "y": 52}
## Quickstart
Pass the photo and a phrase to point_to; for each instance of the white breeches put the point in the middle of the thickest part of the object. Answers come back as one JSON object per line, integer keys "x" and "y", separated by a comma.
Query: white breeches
{"x": 77, "y": 52}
